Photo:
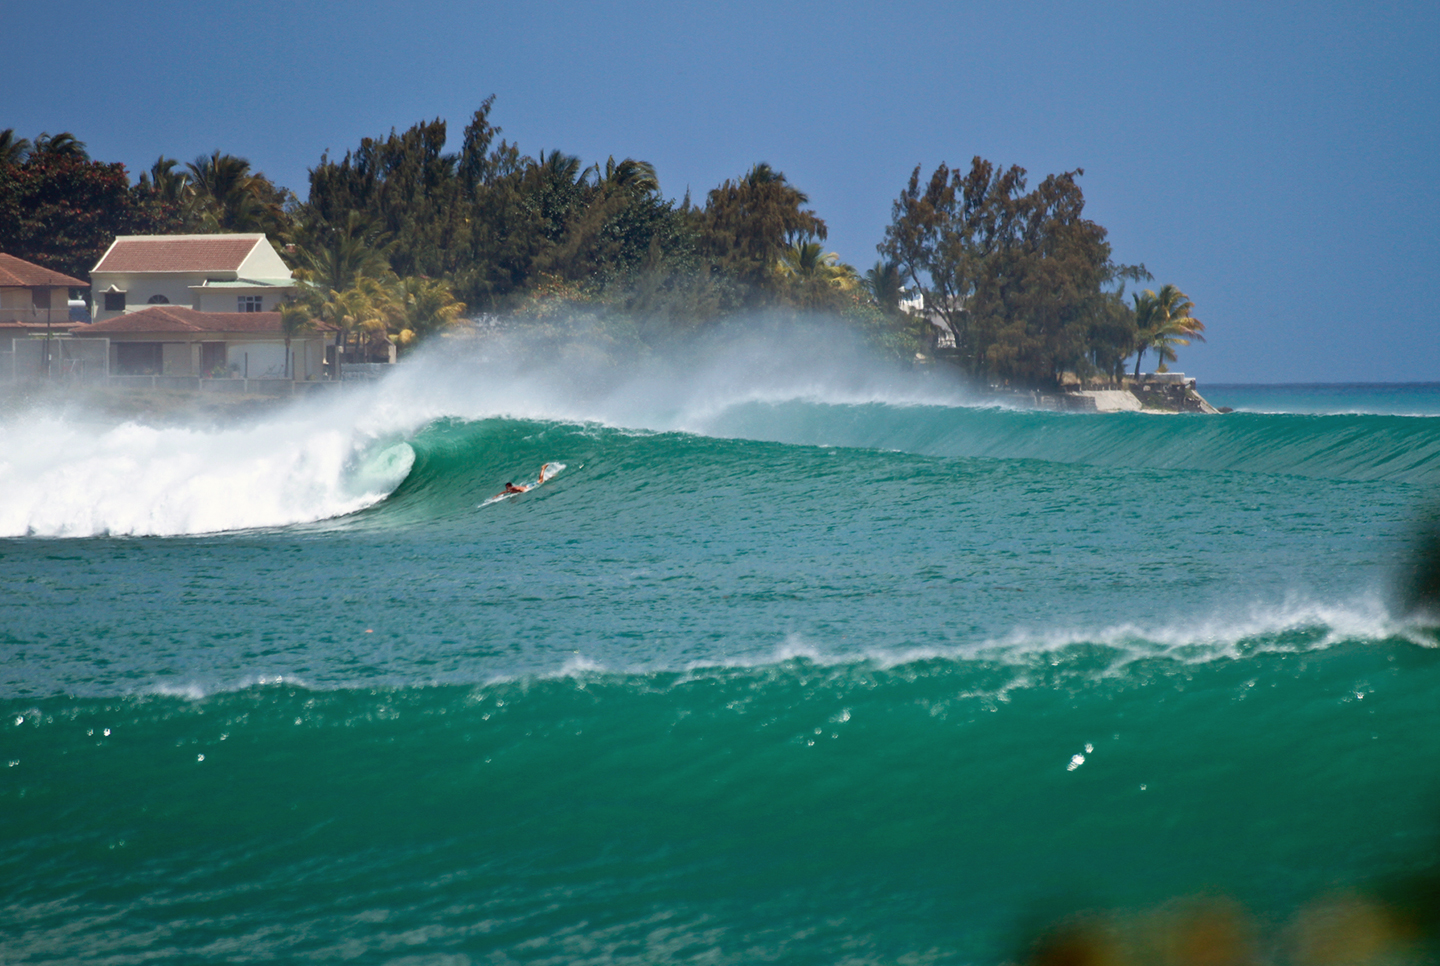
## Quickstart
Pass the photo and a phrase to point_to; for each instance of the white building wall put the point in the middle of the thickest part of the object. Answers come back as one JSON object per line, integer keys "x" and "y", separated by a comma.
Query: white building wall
{"x": 138, "y": 289}
{"x": 228, "y": 299}
{"x": 264, "y": 262}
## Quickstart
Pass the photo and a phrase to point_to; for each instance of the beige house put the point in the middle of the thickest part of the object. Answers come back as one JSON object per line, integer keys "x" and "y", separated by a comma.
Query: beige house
{"x": 206, "y": 273}
{"x": 175, "y": 340}
{"x": 33, "y": 300}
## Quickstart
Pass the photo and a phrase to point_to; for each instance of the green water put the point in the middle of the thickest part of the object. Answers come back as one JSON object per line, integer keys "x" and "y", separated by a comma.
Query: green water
{"x": 780, "y": 677}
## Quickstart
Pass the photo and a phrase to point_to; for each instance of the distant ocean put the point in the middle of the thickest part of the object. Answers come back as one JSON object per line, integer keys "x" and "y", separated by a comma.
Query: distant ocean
{"x": 785, "y": 666}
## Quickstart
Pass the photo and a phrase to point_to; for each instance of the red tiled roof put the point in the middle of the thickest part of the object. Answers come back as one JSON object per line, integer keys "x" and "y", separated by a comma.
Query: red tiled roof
{"x": 177, "y": 318}
{"x": 17, "y": 271}
{"x": 178, "y": 253}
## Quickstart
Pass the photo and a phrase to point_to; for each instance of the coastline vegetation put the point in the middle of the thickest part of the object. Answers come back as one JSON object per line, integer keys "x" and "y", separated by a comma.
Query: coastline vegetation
{"x": 399, "y": 239}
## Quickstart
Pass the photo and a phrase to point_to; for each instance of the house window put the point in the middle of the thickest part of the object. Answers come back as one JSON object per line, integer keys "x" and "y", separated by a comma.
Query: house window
{"x": 40, "y": 298}
{"x": 114, "y": 301}
{"x": 158, "y": 300}
{"x": 250, "y": 303}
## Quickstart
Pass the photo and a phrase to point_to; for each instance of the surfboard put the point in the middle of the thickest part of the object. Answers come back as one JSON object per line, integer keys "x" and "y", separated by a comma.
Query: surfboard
{"x": 548, "y": 472}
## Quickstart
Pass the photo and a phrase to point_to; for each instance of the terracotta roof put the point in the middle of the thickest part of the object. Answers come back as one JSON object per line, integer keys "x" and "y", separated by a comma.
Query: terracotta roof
{"x": 17, "y": 271}
{"x": 179, "y": 319}
{"x": 177, "y": 253}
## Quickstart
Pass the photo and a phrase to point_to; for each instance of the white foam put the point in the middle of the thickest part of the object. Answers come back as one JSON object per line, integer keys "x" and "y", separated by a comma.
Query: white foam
{"x": 1310, "y": 626}
{"x": 64, "y": 477}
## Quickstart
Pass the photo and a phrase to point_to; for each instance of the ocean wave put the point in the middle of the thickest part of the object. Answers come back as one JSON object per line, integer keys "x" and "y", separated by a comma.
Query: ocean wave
{"x": 437, "y": 422}
{"x": 1024, "y": 657}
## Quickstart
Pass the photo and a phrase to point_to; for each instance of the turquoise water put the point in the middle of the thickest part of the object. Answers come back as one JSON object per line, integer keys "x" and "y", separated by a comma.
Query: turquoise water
{"x": 769, "y": 672}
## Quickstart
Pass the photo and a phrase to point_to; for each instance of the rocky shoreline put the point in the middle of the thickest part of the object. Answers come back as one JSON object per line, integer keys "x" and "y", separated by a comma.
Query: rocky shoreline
{"x": 1165, "y": 392}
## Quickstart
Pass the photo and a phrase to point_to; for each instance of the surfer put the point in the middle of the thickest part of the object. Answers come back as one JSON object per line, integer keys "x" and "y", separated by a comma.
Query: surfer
{"x": 511, "y": 488}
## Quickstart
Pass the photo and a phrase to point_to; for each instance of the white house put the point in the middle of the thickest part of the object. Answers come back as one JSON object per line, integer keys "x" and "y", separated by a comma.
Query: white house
{"x": 207, "y": 273}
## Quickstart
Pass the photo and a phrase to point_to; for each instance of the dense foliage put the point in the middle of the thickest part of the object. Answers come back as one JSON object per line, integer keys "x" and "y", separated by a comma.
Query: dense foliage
{"x": 1021, "y": 279}
{"x": 398, "y": 237}
{"x": 60, "y": 209}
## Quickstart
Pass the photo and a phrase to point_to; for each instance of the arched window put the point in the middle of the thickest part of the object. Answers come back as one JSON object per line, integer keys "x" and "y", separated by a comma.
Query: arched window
{"x": 158, "y": 300}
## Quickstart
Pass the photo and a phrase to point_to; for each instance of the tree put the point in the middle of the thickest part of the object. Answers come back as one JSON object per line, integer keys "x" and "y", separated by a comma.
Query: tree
{"x": 815, "y": 279}
{"x": 407, "y": 186}
{"x": 333, "y": 257}
{"x": 1019, "y": 276}
{"x": 165, "y": 183}
{"x": 62, "y": 145}
{"x": 1163, "y": 321}
{"x": 295, "y": 318}
{"x": 746, "y": 225}
{"x": 423, "y": 306}
{"x": 13, "y": 150}
{"x": 885, "y": 285}
{"x": 362, "y": 313}
{"x": 62, "y": 211}
{"x": 224, "y": 195}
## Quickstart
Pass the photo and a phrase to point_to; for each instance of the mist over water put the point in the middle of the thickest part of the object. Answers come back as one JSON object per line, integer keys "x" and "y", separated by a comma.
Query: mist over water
{"x": 799, "y": 659}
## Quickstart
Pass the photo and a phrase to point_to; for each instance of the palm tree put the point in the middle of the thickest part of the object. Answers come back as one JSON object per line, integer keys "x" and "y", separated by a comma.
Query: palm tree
{"x": 815, "y": 274}
{"x": 165, "y": 182}
{"x": 423, "y": 305}
{"x": 13, "y": 150}
{"x": 365, "y": 309}
{"x": 885, "y": 285}
{"x": 62, "y": 145}
{"x": 225, "y": 195}
{"x": 558, "y": 168}
{"x": 1164, "y": 321}
{"x": 808, "y": 261}
{"x": 295, "y": 318}
{"x": 335, "y": 256}
{"x": 630, "y": 175}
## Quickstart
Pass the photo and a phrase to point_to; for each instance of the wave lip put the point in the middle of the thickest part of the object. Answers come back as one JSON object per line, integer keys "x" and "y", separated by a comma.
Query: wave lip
{"x": 68, "y": 479}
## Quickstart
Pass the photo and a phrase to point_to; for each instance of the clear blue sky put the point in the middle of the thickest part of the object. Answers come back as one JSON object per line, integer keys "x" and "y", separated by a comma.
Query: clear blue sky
{"x": 1278, "y": 162}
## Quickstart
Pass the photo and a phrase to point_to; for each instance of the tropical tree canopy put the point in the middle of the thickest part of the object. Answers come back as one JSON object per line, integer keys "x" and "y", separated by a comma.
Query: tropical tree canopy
{"x": 748, "y": 224}
{"x": 1020, "y": 276}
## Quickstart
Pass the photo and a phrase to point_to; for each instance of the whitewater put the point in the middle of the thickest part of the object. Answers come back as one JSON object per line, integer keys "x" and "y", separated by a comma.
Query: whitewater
{"x": 801, "y": 659}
